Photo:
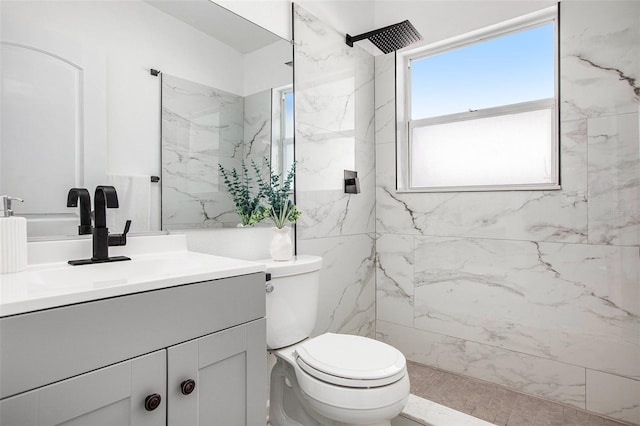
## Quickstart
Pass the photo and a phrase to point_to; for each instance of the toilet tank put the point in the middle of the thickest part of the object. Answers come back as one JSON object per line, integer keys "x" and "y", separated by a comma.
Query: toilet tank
{"x": 292, "y": 305}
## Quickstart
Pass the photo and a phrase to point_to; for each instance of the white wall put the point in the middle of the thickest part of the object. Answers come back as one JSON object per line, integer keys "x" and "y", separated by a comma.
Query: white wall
{"x": 240, "y": 243}
{"x": 346, "y": 16}
{"x": 272, "y": 15}
{"x": 435, "y": 20}
{"x": 135, "y": 37}
{"x": 265, "y": 68}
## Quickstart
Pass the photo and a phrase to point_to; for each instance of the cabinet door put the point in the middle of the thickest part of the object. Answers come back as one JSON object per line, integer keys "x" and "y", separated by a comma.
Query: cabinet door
{"x": 229, "y": 369}
{"x": 113, "y": 395}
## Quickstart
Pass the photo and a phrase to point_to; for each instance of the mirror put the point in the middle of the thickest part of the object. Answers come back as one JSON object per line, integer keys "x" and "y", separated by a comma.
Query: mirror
{"x": 204, "y": 128}
{"x": 81, "y": 106}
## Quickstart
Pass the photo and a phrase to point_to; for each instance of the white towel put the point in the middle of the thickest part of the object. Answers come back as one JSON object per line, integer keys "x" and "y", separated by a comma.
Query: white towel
{"x": 134, "y": 197}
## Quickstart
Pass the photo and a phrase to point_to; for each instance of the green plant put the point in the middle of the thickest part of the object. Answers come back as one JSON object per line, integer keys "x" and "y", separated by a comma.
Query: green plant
{"x": 246, "y": 202}
{"x": 280, "y": 209}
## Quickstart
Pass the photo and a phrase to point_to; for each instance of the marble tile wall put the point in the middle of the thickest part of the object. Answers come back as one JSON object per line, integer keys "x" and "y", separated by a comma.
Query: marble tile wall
{"x": 539, "y": 291}
{"x": 201, "y": 127}
{"x": 334, "y": 115}
{"x": 257, "y": 127}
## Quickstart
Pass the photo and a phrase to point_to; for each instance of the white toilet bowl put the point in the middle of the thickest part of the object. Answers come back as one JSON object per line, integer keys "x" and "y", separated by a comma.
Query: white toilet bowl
{"x": 331, "y": 379}
{"x": 337, "y": 387}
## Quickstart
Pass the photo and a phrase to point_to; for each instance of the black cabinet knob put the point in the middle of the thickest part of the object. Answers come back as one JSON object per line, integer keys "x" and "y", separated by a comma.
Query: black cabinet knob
{"x": 152, "y": 402}
{"x": 187, "y": 386}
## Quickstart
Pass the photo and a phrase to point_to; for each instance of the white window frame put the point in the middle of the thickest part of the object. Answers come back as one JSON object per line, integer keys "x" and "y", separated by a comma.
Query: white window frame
{"x": 403, "y": 103}
{"x": 278, "y": 118}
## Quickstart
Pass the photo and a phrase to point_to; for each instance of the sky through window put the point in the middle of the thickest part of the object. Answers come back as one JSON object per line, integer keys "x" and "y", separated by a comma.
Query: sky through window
{"x": 514, "y": 68}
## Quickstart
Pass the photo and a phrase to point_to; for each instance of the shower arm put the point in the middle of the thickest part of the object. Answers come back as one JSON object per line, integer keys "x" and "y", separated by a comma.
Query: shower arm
{"x": 352, "y": 39}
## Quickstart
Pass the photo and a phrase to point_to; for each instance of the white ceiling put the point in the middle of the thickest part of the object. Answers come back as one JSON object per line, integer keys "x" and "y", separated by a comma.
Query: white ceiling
{"x": 219, "y": 23}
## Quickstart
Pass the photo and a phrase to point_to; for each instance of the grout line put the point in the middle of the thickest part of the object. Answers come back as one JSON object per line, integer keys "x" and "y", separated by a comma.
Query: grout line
{"x": 467, "y": 237}
{"x": 448, "y": 336}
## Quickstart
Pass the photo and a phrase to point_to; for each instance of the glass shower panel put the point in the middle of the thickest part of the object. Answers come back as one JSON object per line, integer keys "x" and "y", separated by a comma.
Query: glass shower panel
{"x": 201, "y": 127}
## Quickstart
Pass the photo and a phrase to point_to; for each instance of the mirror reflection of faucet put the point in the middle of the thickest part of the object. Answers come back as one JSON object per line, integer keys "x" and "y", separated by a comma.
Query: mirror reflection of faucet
{"x": 81, "y": 194}
{"x": 104, "y": 197}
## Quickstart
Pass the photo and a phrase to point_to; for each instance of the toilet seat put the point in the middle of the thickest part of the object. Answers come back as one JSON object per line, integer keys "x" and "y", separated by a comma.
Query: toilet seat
{"x": 351, "y": 361}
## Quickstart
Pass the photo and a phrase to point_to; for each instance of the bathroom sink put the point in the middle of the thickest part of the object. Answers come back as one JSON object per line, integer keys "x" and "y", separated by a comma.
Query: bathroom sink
{"x": 56, "y": 284}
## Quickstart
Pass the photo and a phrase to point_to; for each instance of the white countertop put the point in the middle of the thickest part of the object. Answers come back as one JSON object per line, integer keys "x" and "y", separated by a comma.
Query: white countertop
{"x": 54, "y": 284}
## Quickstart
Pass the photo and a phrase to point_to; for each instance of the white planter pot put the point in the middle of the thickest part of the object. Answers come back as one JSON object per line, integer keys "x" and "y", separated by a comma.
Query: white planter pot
{"x": 281, "y": 247}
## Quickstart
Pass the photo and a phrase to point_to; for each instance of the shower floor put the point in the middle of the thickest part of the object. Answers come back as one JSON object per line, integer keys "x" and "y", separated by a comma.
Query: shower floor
{"x": 494, "y": 403}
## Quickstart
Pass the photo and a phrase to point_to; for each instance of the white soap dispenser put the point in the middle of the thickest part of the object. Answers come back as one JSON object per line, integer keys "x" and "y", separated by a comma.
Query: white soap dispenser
{"x": 13, "y": 238}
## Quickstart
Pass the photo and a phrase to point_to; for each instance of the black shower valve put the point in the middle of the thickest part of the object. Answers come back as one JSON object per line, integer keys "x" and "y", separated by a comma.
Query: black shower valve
{"x": 351, "y": 182}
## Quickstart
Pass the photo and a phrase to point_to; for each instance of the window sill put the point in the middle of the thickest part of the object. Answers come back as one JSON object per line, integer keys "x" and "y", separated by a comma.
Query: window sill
{"x": 487, "y": 188}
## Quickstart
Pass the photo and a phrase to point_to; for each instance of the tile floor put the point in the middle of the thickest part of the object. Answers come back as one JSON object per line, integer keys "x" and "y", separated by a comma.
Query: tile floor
{"x": 495, "y": 403}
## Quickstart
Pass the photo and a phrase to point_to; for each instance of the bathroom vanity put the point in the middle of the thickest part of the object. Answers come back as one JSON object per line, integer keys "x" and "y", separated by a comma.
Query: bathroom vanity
{"x": 170, "y": 338}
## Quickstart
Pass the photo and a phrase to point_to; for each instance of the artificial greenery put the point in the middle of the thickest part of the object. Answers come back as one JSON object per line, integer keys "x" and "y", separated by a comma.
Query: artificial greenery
{"x": 280, "y": 209}
{"x": 245, "y": 199}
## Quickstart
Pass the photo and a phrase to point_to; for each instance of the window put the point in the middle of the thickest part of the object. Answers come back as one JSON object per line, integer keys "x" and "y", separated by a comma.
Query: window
{"x": 480, "y": 111}
{"x": 282, "y": 130}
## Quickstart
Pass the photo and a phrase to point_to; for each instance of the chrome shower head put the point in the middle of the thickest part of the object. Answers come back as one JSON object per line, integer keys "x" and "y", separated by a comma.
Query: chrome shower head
{"x": 391, "y": 38}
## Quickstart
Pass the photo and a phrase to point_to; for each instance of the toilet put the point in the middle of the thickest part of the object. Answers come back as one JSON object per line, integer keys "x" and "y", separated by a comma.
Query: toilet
{"x": 331, "y": 379}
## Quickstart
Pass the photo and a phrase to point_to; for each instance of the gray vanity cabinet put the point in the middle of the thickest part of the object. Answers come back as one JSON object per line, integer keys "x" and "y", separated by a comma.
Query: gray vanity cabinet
{"x": 201, "y": 347}
{"x": 227, "y": 369}
{"x": 109, "y": 396}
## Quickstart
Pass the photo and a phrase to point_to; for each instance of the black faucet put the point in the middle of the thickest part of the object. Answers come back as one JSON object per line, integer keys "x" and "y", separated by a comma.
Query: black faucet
{"x": 81, "y": 194}
{"x": 105, "y": 197}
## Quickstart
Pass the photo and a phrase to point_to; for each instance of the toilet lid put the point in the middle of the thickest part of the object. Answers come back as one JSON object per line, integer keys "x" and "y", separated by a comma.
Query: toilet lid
{"x": 351, "y": 360}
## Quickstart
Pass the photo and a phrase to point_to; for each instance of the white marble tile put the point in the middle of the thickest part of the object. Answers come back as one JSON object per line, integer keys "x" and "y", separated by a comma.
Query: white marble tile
{"x": 573, "y": 164}
{"x": 614, "y": 180}
{"x": 614, "y": 396}
{"x": 333, "y": 213}
{"x": 334, "y": 106}
{"x": 530, "y": 374}
{"x": 314, "y": 59}
{"x": 385, "y": 98}
{"x": 394, "y": 279}
{"x": 257, "y": 126}
{"x": 364, "y": 95}
{"x": 206, "y": 120}
{"x": 327, "y": 210}
{"x": 395, "y": 213}
{"x": 322, "y": 158}
{"x": 347, "y": 286}
{"x": 599, "y": 47}
{"x": 329, "y": 105}
{"x": 334, "y": 131}
{"x": 201, "y": 127}
{"x": 191, "y": 211}
{"x": 511, "y": 291}
{"x": 573, "y": 303}
{"x": 366, "y": 161}
{"x": 331, "y": 77}
{"x": 518, "y": 215}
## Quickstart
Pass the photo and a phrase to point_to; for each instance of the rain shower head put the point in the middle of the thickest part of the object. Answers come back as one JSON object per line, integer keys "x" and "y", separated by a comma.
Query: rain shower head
{"x": 391, "y": 38}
